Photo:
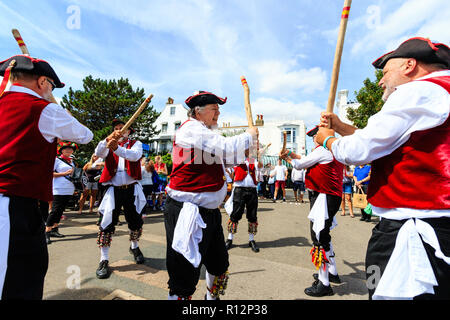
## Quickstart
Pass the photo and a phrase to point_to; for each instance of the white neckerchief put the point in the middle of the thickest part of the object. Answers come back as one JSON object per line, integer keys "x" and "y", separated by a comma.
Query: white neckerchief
{"x": 409, "y": 272}
{"x": 318, "y": 215}
{"x": 188, "y": 233}
{"x": 108, "y": 204}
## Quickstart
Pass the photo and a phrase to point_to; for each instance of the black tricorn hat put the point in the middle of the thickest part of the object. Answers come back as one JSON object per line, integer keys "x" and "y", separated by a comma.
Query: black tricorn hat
{"x": 202, "y": 98}
{"x": 31, "y": 65}
{"x": 115, "y": 122}
{"x": 420, "y": 49}
{"x": 313, "y": 132}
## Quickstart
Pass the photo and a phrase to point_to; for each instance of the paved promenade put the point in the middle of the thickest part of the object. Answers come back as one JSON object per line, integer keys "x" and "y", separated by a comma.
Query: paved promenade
{"x": 280, "y": 271}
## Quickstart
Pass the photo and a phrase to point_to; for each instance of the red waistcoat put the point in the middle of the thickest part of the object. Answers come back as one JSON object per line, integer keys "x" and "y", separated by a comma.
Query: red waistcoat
{"x": 417, "y": 174}
{"x": 241, "y": 171}
{"x": 133, "y": 168}
{"x": 325, "y": 178}
{"x": 26, "y": 158}
{"x": 195, "y": 170}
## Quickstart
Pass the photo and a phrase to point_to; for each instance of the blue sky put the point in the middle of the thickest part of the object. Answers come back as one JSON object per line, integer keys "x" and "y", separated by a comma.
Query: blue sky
{"x": 172, "y": 47}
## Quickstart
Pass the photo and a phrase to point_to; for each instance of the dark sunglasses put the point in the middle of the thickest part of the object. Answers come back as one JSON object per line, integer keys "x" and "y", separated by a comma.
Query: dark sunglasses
{"x": 52, "y": 83}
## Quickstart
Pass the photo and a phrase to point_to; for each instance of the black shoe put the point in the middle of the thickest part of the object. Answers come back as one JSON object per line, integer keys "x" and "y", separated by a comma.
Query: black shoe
{"x": 331, "y": 277}
{"x": 253, "y": 245}
{"x": 319, "y": 290}
{"x": 228, "y": 244}
{"x": 54, "y": 233}
{"x": 369, "y": 218}
{"x": 103, "y": 271}
{"x": 47, "y": 238}
{"x": 138, "y": 256}
{"x": 210, "y": 300}
{"x": 362, "y": 219}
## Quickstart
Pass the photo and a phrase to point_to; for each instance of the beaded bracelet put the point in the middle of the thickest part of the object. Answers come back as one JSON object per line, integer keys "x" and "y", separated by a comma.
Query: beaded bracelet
{"x": 325, "y": 142}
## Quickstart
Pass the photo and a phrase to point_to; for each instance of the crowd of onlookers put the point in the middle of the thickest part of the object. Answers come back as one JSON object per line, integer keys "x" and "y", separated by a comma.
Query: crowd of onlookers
{"x": 272, "y": 183}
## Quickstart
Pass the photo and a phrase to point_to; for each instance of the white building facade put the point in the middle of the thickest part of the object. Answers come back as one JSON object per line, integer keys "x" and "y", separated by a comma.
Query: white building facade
{"x": 272, "y": 132}
{"x": 170, "y": 119}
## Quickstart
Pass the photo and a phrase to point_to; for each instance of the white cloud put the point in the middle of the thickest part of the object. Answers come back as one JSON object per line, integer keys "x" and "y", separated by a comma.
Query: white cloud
{"x": 285, "y": 78}
{"x": 273, "y": 109}
{"x": 414, "y": 18}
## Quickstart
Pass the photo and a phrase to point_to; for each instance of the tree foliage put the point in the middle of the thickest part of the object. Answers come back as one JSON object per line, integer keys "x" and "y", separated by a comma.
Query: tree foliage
{"x": 101, "y": 101}
{"x": 369, "y": 96}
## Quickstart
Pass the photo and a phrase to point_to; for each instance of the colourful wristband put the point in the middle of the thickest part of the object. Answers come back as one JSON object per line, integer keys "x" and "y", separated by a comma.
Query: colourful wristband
{"x": 325, "y": 142}
{"x": 289, "y": 153}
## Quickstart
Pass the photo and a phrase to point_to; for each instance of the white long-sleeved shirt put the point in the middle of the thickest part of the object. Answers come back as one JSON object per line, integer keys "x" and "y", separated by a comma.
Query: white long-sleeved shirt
{"x": 133, "y": 154}
{"x": 414, "y": 106}
{"x": 195, "y": 134}
{"x": 56, "y": 122}
{"x": 319, "y": 155}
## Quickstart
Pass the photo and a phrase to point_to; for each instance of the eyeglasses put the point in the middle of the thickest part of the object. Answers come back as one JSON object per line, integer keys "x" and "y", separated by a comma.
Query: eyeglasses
{"x": 52, "y": 83}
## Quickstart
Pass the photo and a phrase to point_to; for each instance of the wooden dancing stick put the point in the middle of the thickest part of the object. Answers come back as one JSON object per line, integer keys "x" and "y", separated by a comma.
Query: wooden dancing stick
{"x": 248, "y": 108}
{"x": 24, "y": 49}
{"x": 284, "y": 141}
{"x": 136, "y": 114}
{"x": 338, "y": 55}
{"x": 20, "y": 42}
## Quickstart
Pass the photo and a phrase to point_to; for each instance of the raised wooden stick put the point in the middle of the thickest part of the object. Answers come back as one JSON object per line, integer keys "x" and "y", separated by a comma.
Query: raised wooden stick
{"x": 338, "y": 55}
{"x": 248, "y": 108}
{"x": 136, "y": 114}
{"x": 24, "y": 49}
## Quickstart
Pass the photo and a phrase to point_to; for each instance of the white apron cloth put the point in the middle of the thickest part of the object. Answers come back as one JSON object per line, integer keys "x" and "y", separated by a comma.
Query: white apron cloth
{"x": 229, "y": 203}
{"x": 409, "y": 272}
{"x": 108, "y": 204}
{"x": 318, "y": 215}
{"x": 188, "y": 233}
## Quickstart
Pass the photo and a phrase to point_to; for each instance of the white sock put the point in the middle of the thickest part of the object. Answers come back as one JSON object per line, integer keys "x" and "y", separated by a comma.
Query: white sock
{"x": 104, "y": 253}
{"x": 251, "y": 237}
{"x": 230, "y": 236}
{"x": 332, "y": 265}
{"x": 209, "y": 284}
{"x": 323, "y": 275}
{"x": 134, "y": 244}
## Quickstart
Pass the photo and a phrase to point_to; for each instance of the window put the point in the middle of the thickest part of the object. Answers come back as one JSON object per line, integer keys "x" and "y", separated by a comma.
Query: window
{"x": 290, "y": 135}
{"x": 172, "y": 111}
{"x": 177, "y": 125}
{"x": 164, "y": 128}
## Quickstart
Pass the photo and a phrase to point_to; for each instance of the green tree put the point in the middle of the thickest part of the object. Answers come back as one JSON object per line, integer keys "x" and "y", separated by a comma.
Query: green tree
{"x": 369, "y": 97}
{"x": 100, "y": 101}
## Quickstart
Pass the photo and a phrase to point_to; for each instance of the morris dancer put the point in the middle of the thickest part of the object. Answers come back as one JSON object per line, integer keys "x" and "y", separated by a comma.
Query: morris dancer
{"x": 324, "y": 181}
{"x": 29, "y": 128}
{"x": 63, "y": 188}
{"x": 120, "y": 175}
{"x": 244, "y": 195}
{"x": 407, "y": 143}
{"x": 197, "y": 187}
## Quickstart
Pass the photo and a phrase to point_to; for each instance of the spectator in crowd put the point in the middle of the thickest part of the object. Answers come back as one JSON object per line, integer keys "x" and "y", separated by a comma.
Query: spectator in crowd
{"x": 347, "y": 186}
{"x": 361, "y": 176}
{"x": 229, "y": 174}
{"x": 148, "y": 170}
{"x": 271, "y": 180}
{"x": 261, "y": 174}
{"x": 281, "y": 174}
{"x": 63, "y": 188}
{"x": 92, "y": 169}
{"x": 161, "y": 170}
{"x": 298, "y": 179}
